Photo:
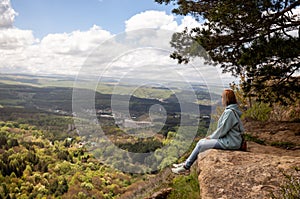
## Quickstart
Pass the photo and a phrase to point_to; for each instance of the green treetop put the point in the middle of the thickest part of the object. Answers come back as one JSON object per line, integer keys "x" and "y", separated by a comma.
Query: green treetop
{"x": 257, "y": 40}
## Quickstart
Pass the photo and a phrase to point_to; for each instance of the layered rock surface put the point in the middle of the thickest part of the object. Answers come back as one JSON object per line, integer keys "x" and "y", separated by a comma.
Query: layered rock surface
{"x": 236, "y": 174}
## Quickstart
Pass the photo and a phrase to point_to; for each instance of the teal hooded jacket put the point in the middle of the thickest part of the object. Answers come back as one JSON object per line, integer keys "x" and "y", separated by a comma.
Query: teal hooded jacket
{"x": 230, "y": 128}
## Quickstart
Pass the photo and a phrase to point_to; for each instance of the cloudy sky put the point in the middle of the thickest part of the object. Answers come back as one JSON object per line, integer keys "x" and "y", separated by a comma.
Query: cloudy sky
{"x": 102, "y": 37}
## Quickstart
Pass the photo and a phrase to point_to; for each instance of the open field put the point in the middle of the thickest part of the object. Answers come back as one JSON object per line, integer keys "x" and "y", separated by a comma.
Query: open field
{"x": 112, "y": 86}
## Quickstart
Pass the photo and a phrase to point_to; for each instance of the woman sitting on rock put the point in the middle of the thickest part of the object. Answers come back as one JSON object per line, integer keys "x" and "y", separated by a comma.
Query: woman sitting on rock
{"x": 228, "y": 134}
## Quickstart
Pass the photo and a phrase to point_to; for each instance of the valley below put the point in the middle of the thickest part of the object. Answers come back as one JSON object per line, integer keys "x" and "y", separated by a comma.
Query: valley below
{"x": 50, "y": 150}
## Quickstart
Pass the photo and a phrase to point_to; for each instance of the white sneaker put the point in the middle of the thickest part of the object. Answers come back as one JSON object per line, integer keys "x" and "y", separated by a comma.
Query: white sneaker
{"x": 180, "y": 170}
{"x": 178, "y": 165}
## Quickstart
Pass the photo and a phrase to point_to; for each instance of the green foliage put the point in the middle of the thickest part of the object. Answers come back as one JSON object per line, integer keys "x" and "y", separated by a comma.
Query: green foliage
{"x": 240, "y": 36}
{"x": 286, "y": 113}
{"x": 185, "y": 187}
{"x": 285, "y": 145}
{"x": 240, "y": 94}
{"x": 64, "y": 155}
{"x": 3, "y": 140}
{"x": 255, "y": 139}
{"x": 38, "y": 160}
{"x": 141, "y": 146}
{"x": 38, "y": 169}
{"x": 62, "y": 187}
{"x": 290, "y": 189}
{"x": 278, "y": 111}
{"x": 259, "y": 111}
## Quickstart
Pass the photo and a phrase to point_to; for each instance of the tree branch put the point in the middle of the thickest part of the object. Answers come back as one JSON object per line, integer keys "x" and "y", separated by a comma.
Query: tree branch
{"x": 287, "y": 9}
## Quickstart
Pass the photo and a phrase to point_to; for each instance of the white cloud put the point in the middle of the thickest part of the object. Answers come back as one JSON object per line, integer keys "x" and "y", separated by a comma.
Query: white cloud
{"x": 188, "y": 22}
{"x": 56, "y": 53}
{"x": 151, "y": 19}
{"x": 296, "y": 14}
{"x": 68, "y": 53}
{"x": 75, "y": 42}
{"x": 159, "y": 20}
{"x": 7, "y": 14}
{"x": 12, "y": 38}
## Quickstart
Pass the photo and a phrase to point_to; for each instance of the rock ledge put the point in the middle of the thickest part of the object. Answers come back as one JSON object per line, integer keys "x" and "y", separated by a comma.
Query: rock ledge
{"x": 236, "y": 174}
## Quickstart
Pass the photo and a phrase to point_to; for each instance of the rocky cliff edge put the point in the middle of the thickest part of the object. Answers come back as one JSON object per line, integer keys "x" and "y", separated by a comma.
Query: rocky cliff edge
{"x": 236, "y": 174}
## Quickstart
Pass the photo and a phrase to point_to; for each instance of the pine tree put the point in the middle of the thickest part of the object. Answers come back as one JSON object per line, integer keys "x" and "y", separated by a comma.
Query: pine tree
{"x": 258, "y": 40}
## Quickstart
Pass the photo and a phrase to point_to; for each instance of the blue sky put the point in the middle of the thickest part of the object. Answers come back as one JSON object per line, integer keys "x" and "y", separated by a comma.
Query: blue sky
{"x": 61, "y": 37}
{"x": 58, "y": 16}
{"x": 57, "y": 36}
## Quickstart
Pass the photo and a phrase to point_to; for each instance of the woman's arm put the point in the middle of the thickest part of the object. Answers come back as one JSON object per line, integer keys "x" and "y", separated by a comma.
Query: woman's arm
{"x": 226, "y": 122}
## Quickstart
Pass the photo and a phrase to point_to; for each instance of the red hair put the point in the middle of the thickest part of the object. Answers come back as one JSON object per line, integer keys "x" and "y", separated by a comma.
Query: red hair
{"x": 228, "y": 97}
